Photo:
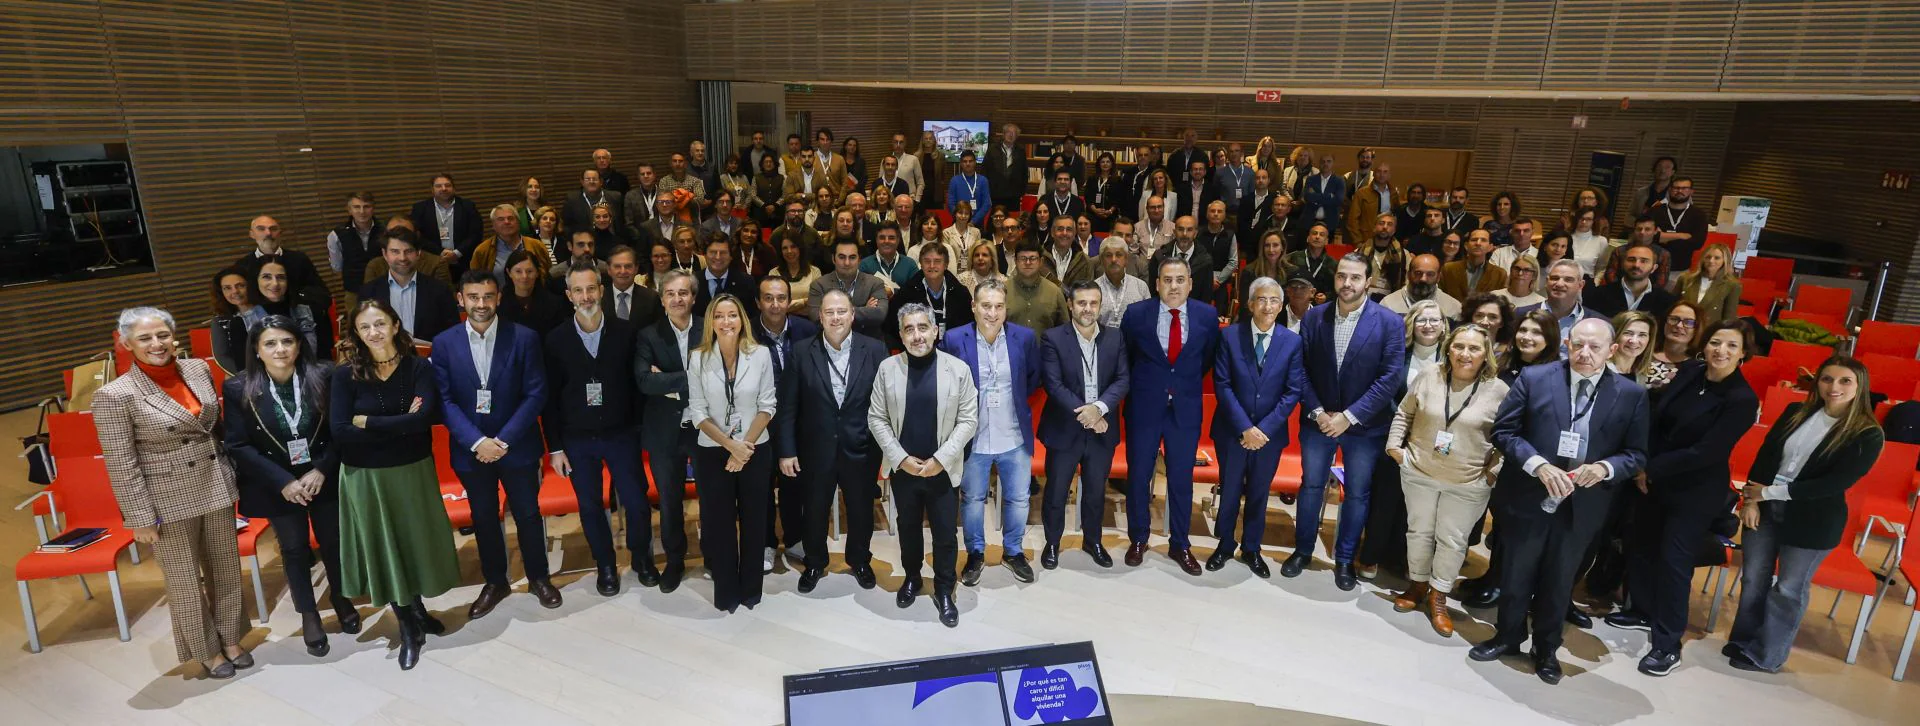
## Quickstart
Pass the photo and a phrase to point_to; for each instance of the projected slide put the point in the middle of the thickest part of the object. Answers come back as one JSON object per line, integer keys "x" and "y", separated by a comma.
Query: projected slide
{"x": 1052, "y": 695}
{"x": 1048, "y": 684}
{"x": 959, "y": 701}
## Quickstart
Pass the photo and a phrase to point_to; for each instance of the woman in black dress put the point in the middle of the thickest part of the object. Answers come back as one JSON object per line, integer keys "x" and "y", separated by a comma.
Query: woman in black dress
{"x": 231, "y": 303}
{"x": 281, "y": 445}
{"x": 530, "y": 301}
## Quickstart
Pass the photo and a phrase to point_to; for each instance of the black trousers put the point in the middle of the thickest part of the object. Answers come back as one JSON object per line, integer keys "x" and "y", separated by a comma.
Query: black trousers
{"x": 668, "y": 466}
{"x": 1669, "y": 530}
{"x": 787, "y": 500}
{"x": 855, "y": 478}
{"x": 733, "y": 514}
{"x": 1541, "y": 555}
{"x": 522, "y": 484}
{"x": 1385, "y": 543}
{"x": 297, "y": 555}
{"x": 936, "y": 501}
{"x": 1094, "y": 462}
{"x": 587, "y": 453}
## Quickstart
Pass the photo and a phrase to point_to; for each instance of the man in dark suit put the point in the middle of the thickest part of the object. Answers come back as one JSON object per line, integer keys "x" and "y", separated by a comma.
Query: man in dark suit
{"x": 578, "y": 212}
{"x": 625, "y": 298}
{"x": 722, "y": 277}
{"x": 1354, "y": 355}
{"x": 823, "y": 436}
{"x": 1171, "y": 344}
{"x": 1061, "y": 200}
{"x": 1186, "y": 248}
{"x": 449, "y": 225}
{"x": 303, "y": 279}
{"x": 1195, "y": 193}
{"x": 1572, "y": 432}
{"x": 589, "y": 423}
{"x": 1180, "y": 162}
{"x": 660, "y": 367}
{"x": 934, "y": 287}
{"x": 1257, "y": 379}
{"x": 1084, "y": 367}
{"x": 424, "y": 304}
{"x": 1004, "y": 358}
{"x": 493, "y": 385}
{"x": 780, "y": 332}
{"x": 1635, "y": 289}
{"x": 1006, "y": 169}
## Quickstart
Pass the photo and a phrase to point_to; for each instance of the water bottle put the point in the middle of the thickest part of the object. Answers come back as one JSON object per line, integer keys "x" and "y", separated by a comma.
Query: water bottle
{"x": 1551, "y": 504}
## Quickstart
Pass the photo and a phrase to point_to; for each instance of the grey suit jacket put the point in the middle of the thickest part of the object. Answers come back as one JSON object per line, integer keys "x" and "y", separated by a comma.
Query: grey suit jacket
{"x": 958, "y": 414}
{"x": 164, "y": 463}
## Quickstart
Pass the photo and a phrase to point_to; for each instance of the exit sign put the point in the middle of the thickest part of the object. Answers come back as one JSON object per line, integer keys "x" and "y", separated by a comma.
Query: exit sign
{"x": 1896, "y": 180}
{"x": 799, "y": 88}
{"x": 1267, "y": 96}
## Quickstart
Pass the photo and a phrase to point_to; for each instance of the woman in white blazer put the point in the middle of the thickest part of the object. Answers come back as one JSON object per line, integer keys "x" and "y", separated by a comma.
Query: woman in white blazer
{"x": 730, "y": 400}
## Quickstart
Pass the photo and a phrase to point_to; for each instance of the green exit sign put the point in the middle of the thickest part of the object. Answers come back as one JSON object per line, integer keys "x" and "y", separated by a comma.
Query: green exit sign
{"x": 799, "y": 88}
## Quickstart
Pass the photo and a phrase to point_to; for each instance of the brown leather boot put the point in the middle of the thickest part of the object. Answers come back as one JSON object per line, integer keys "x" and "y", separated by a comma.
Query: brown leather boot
{"x": 1437, "y": 611}
{"x": 1410, "y": 600}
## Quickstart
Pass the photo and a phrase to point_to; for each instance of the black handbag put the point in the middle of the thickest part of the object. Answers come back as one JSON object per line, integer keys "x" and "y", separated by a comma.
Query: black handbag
{"x": 40, "y": 465}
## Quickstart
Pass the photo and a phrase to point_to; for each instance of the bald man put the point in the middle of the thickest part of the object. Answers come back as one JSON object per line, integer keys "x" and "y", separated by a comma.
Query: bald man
{"x": 302, "y": 276}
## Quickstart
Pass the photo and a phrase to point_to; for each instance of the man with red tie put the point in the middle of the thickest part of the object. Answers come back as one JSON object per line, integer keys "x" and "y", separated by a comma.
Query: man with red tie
{"x": 1171, "y": 342}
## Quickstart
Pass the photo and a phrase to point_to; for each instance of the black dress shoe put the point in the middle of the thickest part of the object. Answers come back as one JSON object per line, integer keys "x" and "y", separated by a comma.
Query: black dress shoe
{"x": 490, "y": 596}
{"x": 909, "y": 591}
{"x": 1492, "y": 650}
{"x": 607, "y": 580}
{"x": 1218, "y": 559}
{"x": 1730, "y": 650}
{"x": 1018, "y": 565}
{"x": 1136, "y": 553}
{"x": 1659, "y": 663}
{"x": 1184, "y": 558}
{"x": 809, "y": 578}
{"x": 1295, "y": 564}
{"x": 348, "y": 617}
{"x": 649, "y": 576}
{"x": 1579, "y": 619}
{"x": 1050, "y": 556}
{"x": 1740, "y": 661}
{"x": 243, "y": 661}
{"x": 1343, "y": 576}
{"x": 1627, "y": 620}
{"x": 863, "y": 576}
{"x": 1258, "y": 564}
{"x": 976, "y": 564}
{"x": 1098, "y": 552}
{"x": 548, "y": 595}
{"x": 314, "y": 634}
{"x": 429, "y": 624}
{"x": 1547, "y": 667}
{"x": 1483, "y": 599}
{"x": 670, "y": 579}
{"x": 949, "y": 611}
{"x": 221, "y": 672}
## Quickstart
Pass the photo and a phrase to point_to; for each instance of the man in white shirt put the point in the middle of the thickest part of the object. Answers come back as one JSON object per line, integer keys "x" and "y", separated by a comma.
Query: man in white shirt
{"x": 1522, "y": 246}
{"x": 1150, "y": 235}
{"x": 910, "y": 170}
{"x": 1118, "y": 288}
{"x": 1084, "y": 365}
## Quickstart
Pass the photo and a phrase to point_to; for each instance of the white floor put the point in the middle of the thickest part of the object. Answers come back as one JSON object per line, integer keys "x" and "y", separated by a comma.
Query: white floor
{"x": 647, "y": 658}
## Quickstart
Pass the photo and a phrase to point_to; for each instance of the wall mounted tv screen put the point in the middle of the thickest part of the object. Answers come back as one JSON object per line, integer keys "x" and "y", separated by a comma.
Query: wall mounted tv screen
{"x": 954, "y": 137}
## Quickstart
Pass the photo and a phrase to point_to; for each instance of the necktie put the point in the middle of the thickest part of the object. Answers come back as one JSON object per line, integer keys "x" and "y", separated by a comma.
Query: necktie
{"x": 1586, "y": 390}
{"x": 1173, "y": 338}
{"x": 623, "y": 307}
{"x": 713, "y": 287}
{"x": 1260, "y": 350}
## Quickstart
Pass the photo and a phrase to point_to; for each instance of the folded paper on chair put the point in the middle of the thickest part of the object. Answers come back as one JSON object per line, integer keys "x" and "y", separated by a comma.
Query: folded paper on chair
{"x": 72, "y": 539}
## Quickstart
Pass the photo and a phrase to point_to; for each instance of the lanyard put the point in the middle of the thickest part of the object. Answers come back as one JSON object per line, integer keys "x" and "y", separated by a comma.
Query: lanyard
{"x": 839, "y": 375}
{"x": 648, "y": 198}
{"x": 973, "y": 185}
{"x": 1674, "y": 222}
{"x": 1314, "y": 269}
{"x": 1087, "y": 353}
{"x": 1453, "y": 220}
{"x": 1582, "y": 413}
{"x": 885, "y": 268}
{"x": 729, "y": 382}
{"x": 293, "y": 418}
{"x": 590, "y": 203}
{"x": 1448, "y": 409}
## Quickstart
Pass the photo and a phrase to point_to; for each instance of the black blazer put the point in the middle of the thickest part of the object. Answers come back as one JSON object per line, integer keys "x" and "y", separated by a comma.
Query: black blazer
{"x": 1199, "y": 264}
{"x": 1815, "y": 515}
{"x": 1611, "y": 299}
{"x": 808, "y": 423}
{"x": 547, "y": 312}
{"x": 260, "y": 462}
{"x": 957, "y": 308}
{"x": 738, "y": 283}
{"x": 657, "y": 346}
{"x": 433, "y": 312}
{"x": 1694, "y": 431}
{"x": 1005, "y": 180}
{"x": 643, "y": 311}
{"x": 570, "y": 369}
{"x": 467, "y": 226}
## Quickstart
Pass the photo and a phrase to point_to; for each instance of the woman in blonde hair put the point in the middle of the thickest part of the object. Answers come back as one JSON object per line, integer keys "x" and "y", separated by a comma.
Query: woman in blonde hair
{"x": 1711, "y": 285}
{"x": 1633, "y": 333}
{"x": 730, "y": 400}
{"x": 529, "y": 205}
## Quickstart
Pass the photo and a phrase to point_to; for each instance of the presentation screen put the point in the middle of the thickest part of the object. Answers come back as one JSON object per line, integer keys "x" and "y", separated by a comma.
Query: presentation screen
{"x": 954, "y": 137}
{"x": 1049, "y": 684}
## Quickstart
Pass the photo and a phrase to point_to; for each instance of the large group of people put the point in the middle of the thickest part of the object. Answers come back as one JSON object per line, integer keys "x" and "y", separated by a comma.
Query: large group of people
{"x": 779, "y": 328}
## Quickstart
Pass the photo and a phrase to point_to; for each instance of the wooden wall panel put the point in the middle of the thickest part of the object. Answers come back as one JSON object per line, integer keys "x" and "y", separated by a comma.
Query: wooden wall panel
{"x": 219, "y": 117}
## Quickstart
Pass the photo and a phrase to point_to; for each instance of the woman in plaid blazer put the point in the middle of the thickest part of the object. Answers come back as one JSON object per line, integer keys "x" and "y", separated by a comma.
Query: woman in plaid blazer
{"x": 159, "y": 432}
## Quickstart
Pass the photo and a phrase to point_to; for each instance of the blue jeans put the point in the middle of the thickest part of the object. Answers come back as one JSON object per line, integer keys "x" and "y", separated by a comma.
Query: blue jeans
{"x": 1316, "y": 462}
{"x": 1016, "y": 477}
{"x": 1772, "y": 600}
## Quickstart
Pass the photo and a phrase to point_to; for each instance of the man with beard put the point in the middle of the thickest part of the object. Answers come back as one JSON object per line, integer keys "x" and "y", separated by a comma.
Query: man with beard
{"x": 1423, "y": 283}
{"x": 1084, "y": 367}
{"x": 1683, "y": 227}
{"x": 589, "y": 422}
{"x": 1635, "y": 288}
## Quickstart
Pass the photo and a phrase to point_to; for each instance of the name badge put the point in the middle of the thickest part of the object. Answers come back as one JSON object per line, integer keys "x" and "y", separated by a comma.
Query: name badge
{"x": 483, "y": 401}
{"x": 1569, "y": 445}
{"x": 594, "y": 395}
{"x": 994, "y": 400}
{"x": 1443, "y": 443}
{"x": 298, "y": 452}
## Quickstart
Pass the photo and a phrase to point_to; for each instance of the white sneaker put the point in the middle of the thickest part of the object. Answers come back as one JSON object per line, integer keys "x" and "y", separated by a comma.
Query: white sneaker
{"x": 797, "y": 554}
{"x": 768, "y": 562}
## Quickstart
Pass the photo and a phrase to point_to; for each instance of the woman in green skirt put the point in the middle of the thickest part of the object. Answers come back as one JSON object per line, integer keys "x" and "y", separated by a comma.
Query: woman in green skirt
{"x": 396, "y": 545}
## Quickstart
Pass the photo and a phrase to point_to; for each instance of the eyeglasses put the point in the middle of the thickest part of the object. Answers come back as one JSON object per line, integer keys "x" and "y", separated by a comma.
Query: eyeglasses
{"x": 1683, "y": 323}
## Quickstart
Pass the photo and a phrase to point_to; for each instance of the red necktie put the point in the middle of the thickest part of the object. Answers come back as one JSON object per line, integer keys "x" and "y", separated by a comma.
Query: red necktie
{"x": 1173, "y": 338}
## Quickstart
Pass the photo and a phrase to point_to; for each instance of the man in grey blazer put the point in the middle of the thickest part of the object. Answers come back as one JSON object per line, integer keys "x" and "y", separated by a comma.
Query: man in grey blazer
{"x": 924, "y": 454}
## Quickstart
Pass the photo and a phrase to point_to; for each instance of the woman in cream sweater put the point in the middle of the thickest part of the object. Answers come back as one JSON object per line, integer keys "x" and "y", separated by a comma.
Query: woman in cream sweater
{"x": 1440, "y": 438}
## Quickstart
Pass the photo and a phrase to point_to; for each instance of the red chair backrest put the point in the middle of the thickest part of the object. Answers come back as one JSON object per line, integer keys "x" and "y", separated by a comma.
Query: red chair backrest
{"x": 1761, "y": 372}
{"x": 945, "y": 217}
{"x": 1793, "y": 356}
{"x": 443, "y": 456}
{"x": 72, "y": 435}
{"x": 84, "y": 493}
{"x": 1891, "y": 476}
{"x": 1337, "y": 251}
{"x": 1888, "y": 338}
{"x": 202, "y": 340}
{"x": 1891, "y": 375}
{"x": 766, "y": 234}
{"x": 1777, "y": 269}
{"x": 1028, "y": 202}
{"x": 1759, "y": 291}
{"x": 1746, "y": 451}
{"x": 1823, "y": 300}
{"x": 1776, "y": 402}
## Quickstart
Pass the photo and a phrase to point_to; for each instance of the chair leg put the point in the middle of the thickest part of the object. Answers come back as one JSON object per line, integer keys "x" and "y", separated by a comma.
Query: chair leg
{"x": 1838, "y": 595}
{"x": 133, "y": 552}
{"x": 893, "y": 512}
{"x": 1713, "y": 610}
{"x": 26, "y": 612}
{"x": 833, "y": 516}
{"x": 1906, "y": 646}
{"x": 119, "y": 605}
{"x": 40, "y": 528}
{"x": 83, "y": 586}
{"x": 1860, "y": 628}
{"x": 259, "y": 590}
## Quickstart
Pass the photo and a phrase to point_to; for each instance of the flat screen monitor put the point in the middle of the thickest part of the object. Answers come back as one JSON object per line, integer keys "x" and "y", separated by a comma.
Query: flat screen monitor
{"x": 954, "y": 137}
{"x": 1048, "y": 684}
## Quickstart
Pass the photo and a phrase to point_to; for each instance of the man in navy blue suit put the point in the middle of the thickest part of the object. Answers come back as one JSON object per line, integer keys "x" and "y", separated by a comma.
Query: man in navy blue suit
{"x": 493, "y": 385}
{"x": 777, "y": 330}
{"x": 1005, "y": 360}
{"x": 1571, "y": 432}
{"x": 1171, "y": 342}
{"x": 1084, "y": 365}
{"x": 1355, "y": 360}
{"x": 1257, "y": 380}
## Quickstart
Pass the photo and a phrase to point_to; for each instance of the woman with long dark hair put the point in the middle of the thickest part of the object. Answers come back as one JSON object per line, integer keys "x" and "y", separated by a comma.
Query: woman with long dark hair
{"x": 1493, "y": 313}
{"x": 1536, "y": 340}
{"x": 1504, "y": 209}
{"x": 528, "y": 299}
{"x": 1796, "y": 508}
{"x": 232, "y": 300}
{"x": 731, "y": 400}
{"x": 287, "y": 468}
{"x": 396, "y": 545}
{"x": 1105, "y": 193}
{"x": 271, "y": 294}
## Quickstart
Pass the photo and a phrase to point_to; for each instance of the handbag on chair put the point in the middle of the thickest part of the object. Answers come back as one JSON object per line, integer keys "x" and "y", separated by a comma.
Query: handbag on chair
{"x": 40, "y": 465}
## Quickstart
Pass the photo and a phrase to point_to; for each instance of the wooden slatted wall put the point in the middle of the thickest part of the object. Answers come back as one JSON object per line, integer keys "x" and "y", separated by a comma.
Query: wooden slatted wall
{"x": 385, "y": 94}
